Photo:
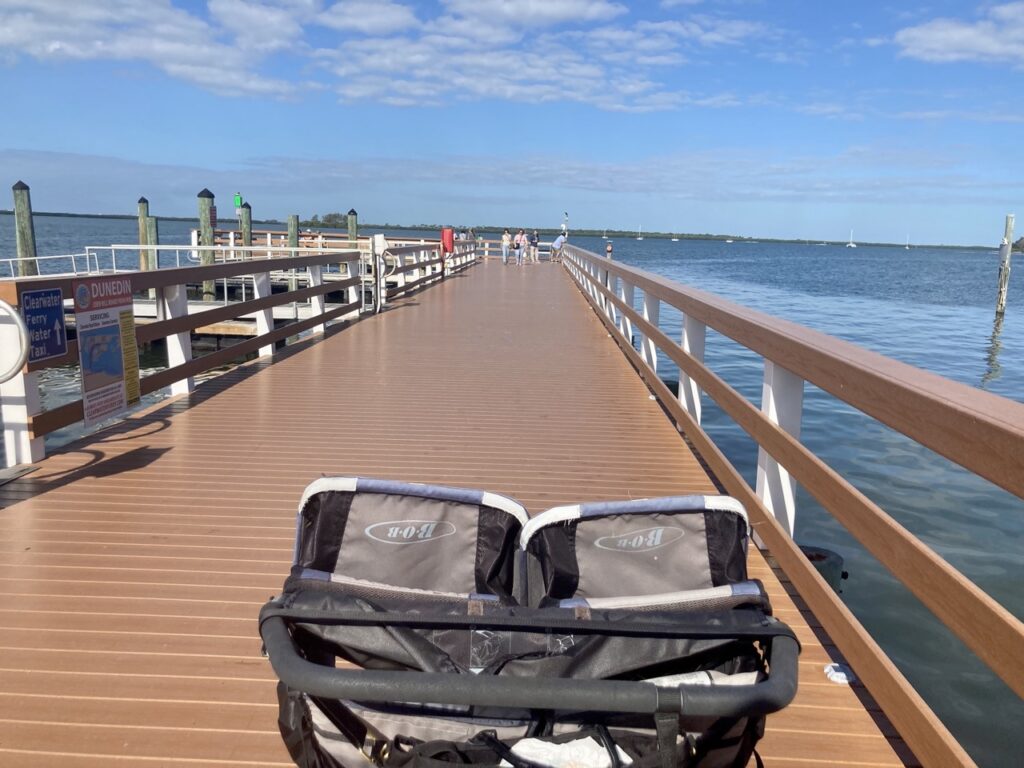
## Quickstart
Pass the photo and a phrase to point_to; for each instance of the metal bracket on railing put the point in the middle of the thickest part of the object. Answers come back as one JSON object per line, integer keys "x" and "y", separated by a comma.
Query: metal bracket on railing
{"x": 22, "y": 357}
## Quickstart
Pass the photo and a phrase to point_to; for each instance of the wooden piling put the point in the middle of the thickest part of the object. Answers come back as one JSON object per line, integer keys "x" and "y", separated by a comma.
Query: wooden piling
{"x": 1004, "y": 267}
{"x": 24, "y": 231}
{"x": 293, "y": 242}
{"x": 245, "y": 224}
{"x": 353, "y": 226}
{"x": 152, "y": 238}
{"x": 206, "y": 257}
{"x": 152, "y": 260}
{"x": 144, "y": 258}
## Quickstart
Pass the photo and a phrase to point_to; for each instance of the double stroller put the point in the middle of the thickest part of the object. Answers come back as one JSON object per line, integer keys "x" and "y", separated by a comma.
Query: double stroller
{"x": 430, "y": 626}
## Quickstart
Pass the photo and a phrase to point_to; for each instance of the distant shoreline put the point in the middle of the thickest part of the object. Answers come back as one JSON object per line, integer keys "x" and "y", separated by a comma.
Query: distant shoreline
{"x": 612, "y": 234}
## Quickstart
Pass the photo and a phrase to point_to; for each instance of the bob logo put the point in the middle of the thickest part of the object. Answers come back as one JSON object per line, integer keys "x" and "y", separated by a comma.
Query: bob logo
{"x": 409, "y": 531}
{"x": 643, "y": 540}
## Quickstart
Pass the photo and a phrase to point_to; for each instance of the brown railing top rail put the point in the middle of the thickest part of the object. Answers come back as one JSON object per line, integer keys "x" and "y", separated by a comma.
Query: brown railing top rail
{"x": 978, "y": 430}
{"x": 161, "y": 278}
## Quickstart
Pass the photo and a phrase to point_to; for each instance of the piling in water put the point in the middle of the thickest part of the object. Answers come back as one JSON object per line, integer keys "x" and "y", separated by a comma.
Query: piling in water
{"x": 353, "y": 226}
{"x": 1004, "y": 265}
{"x": 24, "y": 231}
{"x": 245, "y": 224}
{"x": 206, "y": 256}
{"x": 144, "y": 258}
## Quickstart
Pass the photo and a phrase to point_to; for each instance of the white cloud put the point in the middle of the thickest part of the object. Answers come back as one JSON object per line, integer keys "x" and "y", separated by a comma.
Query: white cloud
{"x": 262, "y": 27}
{"x": 584, "y": 51}
{"x": 370, "y": 17}
{"x": 171, "y": 39}
{"x": 830, "y": 110}
{"x": 966, "y": 115}
{"x": 997, "y": 37}
{"x": 706, "y": 30}
{"x": 530, "y": 14}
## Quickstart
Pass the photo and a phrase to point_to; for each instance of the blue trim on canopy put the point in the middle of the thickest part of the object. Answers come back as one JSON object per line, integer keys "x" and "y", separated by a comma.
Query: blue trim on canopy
{"x": 309, "y": 573}
{"x": 461, "y": 495}
{"x": 639, "y": 506}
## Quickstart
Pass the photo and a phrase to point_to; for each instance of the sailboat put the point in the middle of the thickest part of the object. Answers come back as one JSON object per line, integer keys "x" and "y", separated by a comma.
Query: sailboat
{"x": 851, "y": 244}
{"x": 640, "y": 233}
{"x": 907, "y": 246}
{"x": 605, "y": 235}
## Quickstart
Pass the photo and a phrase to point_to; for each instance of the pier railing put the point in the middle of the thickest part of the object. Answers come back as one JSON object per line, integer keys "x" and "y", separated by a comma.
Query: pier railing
{"x": 277, "y": 277}
{"x": 980, "y": 431}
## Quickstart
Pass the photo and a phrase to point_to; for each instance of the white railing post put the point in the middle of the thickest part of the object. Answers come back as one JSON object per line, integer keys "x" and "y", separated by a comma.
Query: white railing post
{"x": 195, "y": 244}
{"x": 652, "y": 312}
{"x": 626, "y": 293}
{"x": 602, "y": 281}
{"x": 782, "y": 398}
{"x": 613, "y": 290}
{"x": 19, "y": 400}
{"x": 378, "y": 244}
{"x": 318, "y": 303}
{"x": 171, "y": 302}
{"x": 264, "y": 317}
{"x": 694, "y": 335}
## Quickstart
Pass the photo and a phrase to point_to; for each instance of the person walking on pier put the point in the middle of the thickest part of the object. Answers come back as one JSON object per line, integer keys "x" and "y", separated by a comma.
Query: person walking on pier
{"x": 534, "y": 239}
{"x": 506, "y": 243}
{"x": 520, "y": 246}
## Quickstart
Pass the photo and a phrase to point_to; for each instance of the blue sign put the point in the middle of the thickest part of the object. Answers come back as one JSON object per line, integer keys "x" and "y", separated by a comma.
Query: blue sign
{"x": 43, "y": 311}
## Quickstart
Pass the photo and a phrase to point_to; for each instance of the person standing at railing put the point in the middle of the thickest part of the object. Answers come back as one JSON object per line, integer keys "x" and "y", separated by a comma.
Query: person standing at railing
{"x": 556, "y": 246}
{"x": 506, "y": 243}
{"x": 534, "y": 240}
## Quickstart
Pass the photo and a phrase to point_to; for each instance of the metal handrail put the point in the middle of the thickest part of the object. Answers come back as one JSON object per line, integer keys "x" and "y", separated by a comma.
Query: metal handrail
{"x": 19, "y": 324}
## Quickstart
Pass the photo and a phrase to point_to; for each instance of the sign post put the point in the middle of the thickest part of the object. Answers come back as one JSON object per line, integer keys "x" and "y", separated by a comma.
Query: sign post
{"x": 43, "y": 311}
{"x": 107, "y": 349}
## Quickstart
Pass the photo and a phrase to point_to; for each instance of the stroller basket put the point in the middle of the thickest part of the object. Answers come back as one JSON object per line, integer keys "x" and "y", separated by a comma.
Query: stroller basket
{"x": 477, "y": 665}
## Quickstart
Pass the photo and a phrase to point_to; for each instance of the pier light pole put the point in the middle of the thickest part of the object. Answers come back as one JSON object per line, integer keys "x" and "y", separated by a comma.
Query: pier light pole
{"x": 1004, "y": 267}
{"x": 24, "y": 231}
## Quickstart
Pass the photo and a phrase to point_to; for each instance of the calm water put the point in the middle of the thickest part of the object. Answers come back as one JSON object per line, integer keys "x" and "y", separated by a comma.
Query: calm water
{"x": 932, "y": 308}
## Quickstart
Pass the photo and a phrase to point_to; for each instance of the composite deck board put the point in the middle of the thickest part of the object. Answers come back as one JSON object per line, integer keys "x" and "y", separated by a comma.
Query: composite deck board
{"x": 132, "y": 563}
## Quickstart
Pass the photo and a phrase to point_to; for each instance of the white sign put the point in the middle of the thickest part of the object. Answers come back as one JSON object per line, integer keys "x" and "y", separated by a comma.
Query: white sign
{"x": 107, "y": 350}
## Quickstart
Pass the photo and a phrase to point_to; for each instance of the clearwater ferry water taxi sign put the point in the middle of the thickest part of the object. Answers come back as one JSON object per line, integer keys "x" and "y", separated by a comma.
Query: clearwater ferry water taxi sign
{"x": 107, "y": 350}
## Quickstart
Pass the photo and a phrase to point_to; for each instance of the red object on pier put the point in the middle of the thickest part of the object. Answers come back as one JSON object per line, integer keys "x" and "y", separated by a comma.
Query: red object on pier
{"x": 448, "y": 240}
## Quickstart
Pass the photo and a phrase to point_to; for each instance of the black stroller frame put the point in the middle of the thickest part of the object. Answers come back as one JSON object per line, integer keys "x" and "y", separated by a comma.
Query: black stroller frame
{"x": 532, "y": 652}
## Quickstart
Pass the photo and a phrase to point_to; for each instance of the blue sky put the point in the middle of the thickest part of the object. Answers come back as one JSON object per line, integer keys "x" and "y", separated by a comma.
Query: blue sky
{"x": 771, "y": 119}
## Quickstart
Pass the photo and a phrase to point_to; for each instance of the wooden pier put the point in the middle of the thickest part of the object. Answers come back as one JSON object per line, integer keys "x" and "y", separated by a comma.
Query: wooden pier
{"x": 134, "y": 561}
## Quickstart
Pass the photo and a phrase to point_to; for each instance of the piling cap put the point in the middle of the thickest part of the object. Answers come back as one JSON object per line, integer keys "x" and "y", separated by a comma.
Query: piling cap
{"x": 19, "y": 186}
{"x": 205, "y": 193}
{"x": 143, "y": 200}
{"x": 352, "y": 212}
{"x": 247, "y": 206}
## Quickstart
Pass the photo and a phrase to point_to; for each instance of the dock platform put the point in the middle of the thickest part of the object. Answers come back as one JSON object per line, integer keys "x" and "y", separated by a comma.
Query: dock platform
{"x": 135, "y": 561}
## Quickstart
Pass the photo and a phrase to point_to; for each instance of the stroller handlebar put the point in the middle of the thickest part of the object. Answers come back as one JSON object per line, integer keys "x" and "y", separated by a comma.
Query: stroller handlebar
{"x": 764, "y": 697}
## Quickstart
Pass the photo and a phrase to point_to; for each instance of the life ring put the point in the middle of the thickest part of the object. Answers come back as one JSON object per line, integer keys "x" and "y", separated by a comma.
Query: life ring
{"x": 19, "y": 324}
